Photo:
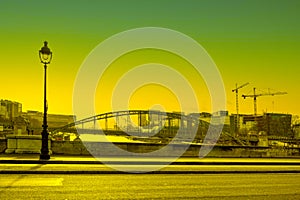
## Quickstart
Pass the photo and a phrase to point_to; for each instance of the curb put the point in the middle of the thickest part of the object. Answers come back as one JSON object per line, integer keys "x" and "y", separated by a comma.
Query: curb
{"x": 147, "y": 162}
{"x": 153, "y": 172}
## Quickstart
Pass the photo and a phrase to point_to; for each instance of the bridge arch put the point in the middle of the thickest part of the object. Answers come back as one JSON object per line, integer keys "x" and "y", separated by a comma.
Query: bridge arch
{"x": 146, "y": 119}
{"x": 148, "y": 122}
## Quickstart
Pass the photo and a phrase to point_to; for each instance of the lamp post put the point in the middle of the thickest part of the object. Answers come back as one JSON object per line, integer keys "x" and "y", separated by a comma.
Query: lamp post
{"x": 45, "y": 56}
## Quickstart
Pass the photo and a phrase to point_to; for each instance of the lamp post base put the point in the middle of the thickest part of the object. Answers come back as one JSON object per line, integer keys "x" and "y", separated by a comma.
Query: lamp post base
{"x": 44, "y": 157}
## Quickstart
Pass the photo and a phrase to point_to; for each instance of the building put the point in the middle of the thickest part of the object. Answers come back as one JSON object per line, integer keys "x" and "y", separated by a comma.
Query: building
{"x": 217, "y": 118}
{"x": 296, "y": 130}
{"x": 35, "y": 119}
{"x": 20, "y": 125}
{"x": 274, "y": 124}
{"x": 221, "y": 113}
{"x": 13, "y": 120}
{"x": 246, "y": 123}
{"x": 10, "y": 109}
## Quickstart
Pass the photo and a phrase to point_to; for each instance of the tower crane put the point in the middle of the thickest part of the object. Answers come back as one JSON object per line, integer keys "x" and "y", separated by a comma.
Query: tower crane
{"x": 255, "y": 95}
{"x": 236, "y": 90}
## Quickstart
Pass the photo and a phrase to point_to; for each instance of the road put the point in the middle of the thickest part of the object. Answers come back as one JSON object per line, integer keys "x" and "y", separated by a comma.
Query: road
{"x": 150, "y": 186}
{"x": 89, "y": 165}
{"x": 170, "y": 169}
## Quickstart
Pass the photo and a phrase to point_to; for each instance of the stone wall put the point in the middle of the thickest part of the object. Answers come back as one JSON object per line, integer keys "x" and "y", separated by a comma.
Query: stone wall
{"x": 68, "y": 148}
{"x": 25, "y": 144}
{"x": 77, "y": 148}
{"x": 3, "y": 145}
{"x": 105, "y": 149}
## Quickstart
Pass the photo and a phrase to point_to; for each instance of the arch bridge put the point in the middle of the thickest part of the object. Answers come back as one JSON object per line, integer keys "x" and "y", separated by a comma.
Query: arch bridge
{"x": 142, "y": 123}
{"x": 136, "y": 121}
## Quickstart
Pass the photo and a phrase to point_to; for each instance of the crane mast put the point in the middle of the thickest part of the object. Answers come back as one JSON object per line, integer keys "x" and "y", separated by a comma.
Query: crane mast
{"x": 236, "y": 90}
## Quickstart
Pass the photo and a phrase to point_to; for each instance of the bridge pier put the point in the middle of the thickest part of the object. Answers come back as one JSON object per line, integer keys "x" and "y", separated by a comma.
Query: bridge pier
{"x": 106, "y": 128}
{"x": 94, "y": 122}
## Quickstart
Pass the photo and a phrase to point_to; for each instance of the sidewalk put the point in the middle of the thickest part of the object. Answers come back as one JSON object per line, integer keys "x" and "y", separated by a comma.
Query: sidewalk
{"x": 61, "y": 164}
{"x": 75, "y": 159}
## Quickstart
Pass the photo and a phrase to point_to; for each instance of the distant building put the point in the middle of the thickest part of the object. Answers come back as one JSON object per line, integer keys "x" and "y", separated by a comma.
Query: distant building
{"x": 59, "y": 120}
{"x": 15, "y": 121}
{"x": 251, "y": 122}
{"x": 35, "y": 119}
{"x": 204, "y": 114}
{"x": 10, "y": 109}
{"x": 217, "y": 118}
{"x": 221, "y": 113}
{"x": 296, "y": 129}
{"x": 274, "y": 124}
{"x": 20, "y": 126}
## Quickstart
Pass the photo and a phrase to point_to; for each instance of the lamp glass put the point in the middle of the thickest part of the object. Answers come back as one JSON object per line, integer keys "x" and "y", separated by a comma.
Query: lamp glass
{"x": 45, "y": 57}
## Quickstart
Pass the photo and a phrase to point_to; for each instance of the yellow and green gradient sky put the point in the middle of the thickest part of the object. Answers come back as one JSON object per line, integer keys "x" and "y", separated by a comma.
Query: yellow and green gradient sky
{"x": 250, "y": 41}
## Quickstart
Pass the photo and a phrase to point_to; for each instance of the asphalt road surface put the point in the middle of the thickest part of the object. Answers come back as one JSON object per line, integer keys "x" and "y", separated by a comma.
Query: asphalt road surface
{"x": 150, "y": 186}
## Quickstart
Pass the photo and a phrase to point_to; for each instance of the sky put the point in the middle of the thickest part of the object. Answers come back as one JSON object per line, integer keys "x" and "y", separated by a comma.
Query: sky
{"x": 255, "y": 41}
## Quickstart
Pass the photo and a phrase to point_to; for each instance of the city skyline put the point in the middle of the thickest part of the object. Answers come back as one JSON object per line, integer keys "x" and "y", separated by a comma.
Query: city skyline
{"x": 250, "y": 41}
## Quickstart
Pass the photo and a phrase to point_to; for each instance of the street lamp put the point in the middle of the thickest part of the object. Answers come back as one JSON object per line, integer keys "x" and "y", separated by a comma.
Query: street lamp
{"x": 45, "y": 57}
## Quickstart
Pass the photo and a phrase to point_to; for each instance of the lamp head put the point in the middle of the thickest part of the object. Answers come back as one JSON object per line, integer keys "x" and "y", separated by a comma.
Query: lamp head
{"x": 45, "y": 54}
